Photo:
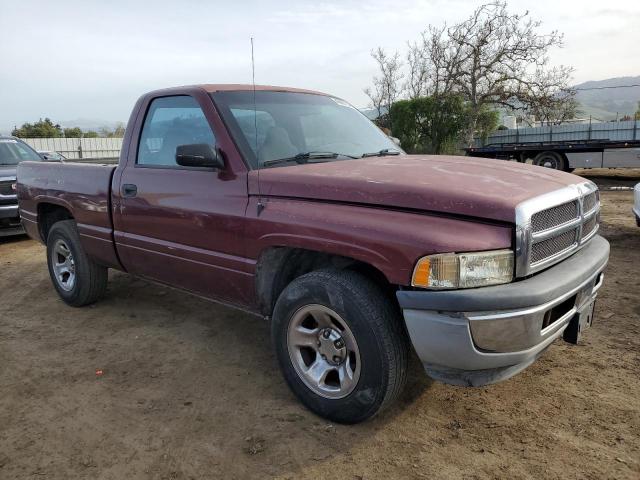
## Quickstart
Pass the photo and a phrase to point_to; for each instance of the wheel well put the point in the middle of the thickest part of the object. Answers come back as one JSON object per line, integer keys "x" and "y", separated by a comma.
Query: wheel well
{"x": 278, "y": 266}
{"x": 48, "y": 215}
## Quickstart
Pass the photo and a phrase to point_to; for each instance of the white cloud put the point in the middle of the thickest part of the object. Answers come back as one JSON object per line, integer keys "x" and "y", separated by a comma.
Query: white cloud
{"x": 93, "y": 59}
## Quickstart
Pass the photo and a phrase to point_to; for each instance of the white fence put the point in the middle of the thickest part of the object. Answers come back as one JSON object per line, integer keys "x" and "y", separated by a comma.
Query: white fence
{"x": 79, "y": 148}
{"x": 614, "y": 131}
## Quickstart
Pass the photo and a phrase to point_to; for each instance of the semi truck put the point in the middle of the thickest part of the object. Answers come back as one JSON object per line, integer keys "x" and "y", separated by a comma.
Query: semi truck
{"x": 566, "y": 147}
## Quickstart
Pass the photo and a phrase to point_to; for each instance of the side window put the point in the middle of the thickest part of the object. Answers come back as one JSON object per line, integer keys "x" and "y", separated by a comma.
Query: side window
{"x": 171, "y": 121}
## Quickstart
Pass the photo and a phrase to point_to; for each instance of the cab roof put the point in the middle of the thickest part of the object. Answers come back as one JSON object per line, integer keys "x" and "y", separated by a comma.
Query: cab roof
{"x": 229, "y": 87}
{"x": 226, "y": 87}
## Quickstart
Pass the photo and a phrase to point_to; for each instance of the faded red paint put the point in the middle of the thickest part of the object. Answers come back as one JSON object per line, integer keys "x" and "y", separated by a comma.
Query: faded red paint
{"x": 480, "y": 188}
{"x": 203, "y": 230}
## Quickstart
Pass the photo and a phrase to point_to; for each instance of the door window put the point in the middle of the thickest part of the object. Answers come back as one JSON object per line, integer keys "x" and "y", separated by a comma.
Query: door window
{"x": 171, "y": 121}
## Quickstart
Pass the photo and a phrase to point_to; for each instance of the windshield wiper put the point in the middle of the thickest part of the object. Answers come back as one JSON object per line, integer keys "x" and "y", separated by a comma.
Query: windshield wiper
{"x": 305, "y": 157}
{"x": 381, "y": 153}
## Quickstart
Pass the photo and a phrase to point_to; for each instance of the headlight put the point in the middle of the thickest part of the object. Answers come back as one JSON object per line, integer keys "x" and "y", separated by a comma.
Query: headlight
{"x": 463, "y": 270}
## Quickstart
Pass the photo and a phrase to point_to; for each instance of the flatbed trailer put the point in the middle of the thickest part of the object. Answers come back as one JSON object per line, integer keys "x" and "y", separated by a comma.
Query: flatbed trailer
{"x": 565, "y": 147}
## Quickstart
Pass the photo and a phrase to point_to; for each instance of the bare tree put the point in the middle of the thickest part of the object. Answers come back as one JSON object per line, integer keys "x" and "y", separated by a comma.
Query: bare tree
{"x": 376, "y": 95}
{"x": 494, "y": 57}
{"x": 419, "y": 70}
{"x": 386, "y": 87}
{"x": 546, "y": 98}
{"x": 430, "y": 62}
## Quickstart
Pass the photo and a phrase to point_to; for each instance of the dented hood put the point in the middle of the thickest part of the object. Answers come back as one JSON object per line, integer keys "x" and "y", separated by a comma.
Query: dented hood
{"x": 477, "y": 187}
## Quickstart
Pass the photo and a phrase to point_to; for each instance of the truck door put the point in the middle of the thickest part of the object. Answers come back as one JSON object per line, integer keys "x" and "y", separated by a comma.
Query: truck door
{"x": 182, "y": 225}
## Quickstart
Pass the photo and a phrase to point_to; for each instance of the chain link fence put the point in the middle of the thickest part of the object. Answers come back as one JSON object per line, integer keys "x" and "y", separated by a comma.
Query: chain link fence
{"x": 96, "y": 150}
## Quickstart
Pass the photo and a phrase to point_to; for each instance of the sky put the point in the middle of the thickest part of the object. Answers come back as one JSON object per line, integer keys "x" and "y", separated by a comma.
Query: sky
{"x": 92, "y": 59}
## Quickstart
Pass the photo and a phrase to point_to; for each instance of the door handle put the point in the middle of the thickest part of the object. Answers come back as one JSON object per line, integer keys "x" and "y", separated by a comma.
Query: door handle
{"x": 129, "y": 190}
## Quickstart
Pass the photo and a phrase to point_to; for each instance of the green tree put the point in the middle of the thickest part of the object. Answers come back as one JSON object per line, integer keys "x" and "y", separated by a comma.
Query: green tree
{"x": 90, "y": 134}
{"x": 637, "y": 114}
{"x": 74, "y": 132}
{"x": 40, "y": 129}
{"x": 434, "y": 124}
{"x": 487, "y": 122}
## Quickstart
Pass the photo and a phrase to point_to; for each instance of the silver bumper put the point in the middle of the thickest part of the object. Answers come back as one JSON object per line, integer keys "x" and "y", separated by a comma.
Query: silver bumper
{"x": 9, "y": 211}
{"x": 481, "y": 336}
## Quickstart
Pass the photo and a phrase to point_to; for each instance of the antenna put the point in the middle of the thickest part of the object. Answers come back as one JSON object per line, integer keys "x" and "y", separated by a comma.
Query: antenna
{"x": 255, "y": 126}
{"x": 255, "y": 115}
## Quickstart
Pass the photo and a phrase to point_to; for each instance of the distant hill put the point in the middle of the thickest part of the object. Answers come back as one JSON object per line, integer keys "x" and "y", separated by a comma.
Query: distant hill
{"x": 606, "y": 102}
{"x": 603, "y": 104}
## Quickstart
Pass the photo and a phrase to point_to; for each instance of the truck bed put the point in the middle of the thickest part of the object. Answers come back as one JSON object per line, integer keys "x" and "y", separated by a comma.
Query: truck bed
{"x": 82, "y": 190}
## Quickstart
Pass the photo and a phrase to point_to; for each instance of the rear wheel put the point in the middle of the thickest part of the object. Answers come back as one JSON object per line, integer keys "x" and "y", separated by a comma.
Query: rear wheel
{"x": 340, "y": 344}
{"x": 550, "y": 160}
{"x": 77, "y": 279}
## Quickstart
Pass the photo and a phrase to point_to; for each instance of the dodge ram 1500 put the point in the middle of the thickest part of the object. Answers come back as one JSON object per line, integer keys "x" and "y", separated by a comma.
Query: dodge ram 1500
{"x": 290, "y": 204}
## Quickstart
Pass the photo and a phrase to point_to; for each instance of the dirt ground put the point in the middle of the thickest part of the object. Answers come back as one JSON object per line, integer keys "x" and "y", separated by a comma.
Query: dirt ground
{"x": 190, "y": 389}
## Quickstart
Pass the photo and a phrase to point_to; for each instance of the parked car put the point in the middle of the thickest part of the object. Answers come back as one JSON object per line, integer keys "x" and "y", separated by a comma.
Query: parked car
{"x": 636, "y": 203}
{"x": 50, "y": 156}
{"x": 12, "y": 152}
{"x": 291, "y": 205}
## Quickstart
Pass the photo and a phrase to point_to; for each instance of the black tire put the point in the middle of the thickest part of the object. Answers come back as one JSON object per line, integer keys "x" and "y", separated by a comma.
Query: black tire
{"x": 552, "y": 160}
{"x": 90, "y": 281}
{"x": 376, "y": 326}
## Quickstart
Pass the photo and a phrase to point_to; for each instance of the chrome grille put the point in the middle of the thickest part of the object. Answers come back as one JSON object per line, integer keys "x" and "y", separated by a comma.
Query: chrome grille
{"x": 554, "y": 225}
{"x": 589, "y": 226}
{"x": 553, "y": 246}
{"x": 555, "y": 216}
{"x": 590, "y": 201}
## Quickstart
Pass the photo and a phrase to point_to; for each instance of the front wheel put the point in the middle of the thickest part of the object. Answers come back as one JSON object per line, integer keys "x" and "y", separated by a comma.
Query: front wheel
{"x": 341, "y": 344}
{"x": 77, "y": 279}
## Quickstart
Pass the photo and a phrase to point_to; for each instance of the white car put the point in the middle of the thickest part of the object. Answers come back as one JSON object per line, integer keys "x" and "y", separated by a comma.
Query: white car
{"x": 636, "y": 203}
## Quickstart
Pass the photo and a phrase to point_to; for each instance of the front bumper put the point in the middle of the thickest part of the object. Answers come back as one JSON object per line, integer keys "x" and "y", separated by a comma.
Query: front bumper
{"x": 10, "y": 221}
{"x": 9, "y": 211}
{"x": 480, "y": 336}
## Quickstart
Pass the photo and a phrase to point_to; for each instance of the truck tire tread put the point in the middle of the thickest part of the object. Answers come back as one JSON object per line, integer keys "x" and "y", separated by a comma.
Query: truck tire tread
{"x": 91, "y": 278}
{"x": 377, "y": 314}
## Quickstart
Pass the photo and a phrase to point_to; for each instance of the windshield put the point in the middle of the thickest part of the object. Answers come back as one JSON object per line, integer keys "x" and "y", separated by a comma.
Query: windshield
{"x": 294, "y": 126}
{"x": 12, "y": 152}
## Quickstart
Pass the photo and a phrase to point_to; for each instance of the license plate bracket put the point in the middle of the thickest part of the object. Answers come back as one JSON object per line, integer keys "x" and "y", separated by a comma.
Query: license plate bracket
{"x": 580, "y": 322}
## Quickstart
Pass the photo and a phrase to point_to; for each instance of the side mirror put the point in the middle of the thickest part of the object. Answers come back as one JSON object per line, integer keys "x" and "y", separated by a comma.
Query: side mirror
{"x": 199, "y": 155}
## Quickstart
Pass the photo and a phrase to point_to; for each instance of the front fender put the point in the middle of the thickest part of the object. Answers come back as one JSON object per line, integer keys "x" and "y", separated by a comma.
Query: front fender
{"x": 389, "y": 240}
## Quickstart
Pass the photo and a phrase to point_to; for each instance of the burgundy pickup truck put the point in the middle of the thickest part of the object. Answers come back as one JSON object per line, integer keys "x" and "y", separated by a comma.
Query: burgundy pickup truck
{"x": 291, "y": 205}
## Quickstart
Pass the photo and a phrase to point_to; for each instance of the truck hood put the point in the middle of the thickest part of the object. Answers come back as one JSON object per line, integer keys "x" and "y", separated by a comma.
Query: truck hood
{"x": 477, "y": 187}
